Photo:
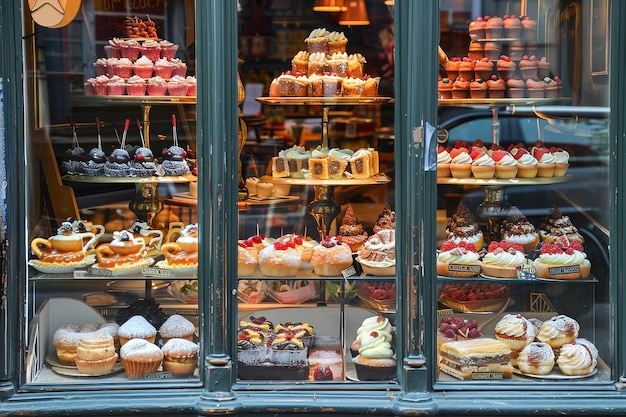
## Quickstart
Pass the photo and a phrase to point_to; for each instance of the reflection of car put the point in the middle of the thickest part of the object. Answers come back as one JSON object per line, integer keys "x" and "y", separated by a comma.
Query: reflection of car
{"x": 583, "y": 131}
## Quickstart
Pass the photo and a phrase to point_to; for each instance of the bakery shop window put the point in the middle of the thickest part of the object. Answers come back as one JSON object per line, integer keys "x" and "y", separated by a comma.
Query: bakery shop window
{"x": 316, "y": 250}
{"x": 112, "y": 259}
{"x": 522, "y": 263}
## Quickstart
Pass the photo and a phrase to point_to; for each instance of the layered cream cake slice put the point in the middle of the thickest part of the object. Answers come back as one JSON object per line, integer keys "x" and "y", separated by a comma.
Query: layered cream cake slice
{"x": 476, "y": 359}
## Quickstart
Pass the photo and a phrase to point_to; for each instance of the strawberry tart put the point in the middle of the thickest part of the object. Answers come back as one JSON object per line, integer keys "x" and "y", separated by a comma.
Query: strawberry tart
{"x": 458, "y": 260}
{"x": 560, "y": 262}
{"x": 502, "y": 259}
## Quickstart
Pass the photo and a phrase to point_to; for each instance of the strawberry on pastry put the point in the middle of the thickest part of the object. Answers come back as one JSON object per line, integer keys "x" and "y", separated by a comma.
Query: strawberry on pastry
{"x": 443, "y": 162}
{"x": 506, "y": 165}
{"x": 483, "y": 166}
{"x": 556, "y": 262}
{"x": 458, "y": 260}
{"x": 502, "y": 259}
{"x": 526, "y": 163}
{"x": 546, "y": 162}
{"x": 461, "y": 163}
{"x": 562, "y": 161}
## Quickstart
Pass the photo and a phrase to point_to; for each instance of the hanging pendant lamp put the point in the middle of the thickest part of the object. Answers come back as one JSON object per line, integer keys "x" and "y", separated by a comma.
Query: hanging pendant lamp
{"x": 355, "y": 14}
{"x": 329, "y": 6}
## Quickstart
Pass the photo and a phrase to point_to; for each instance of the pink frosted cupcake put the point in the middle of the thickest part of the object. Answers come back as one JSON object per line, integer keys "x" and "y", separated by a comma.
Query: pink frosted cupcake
{"x": 136, "y": 86}
{"x": 130, "y": 49}
{"x": 163, "y": 68}
{"x": 157, "y": 86}
{"x": 116, "y": 86}
{"x": 124, "y": 68}
{"x": 151, "y": 49}
{"x": 515, "y": 87}
{"x": 112, "y": 50}
{"x": 528, "y": 67}
{"x": 177, "y": 86}
{"x": 168, "y": 50}
{"x": 536, "y": 88}
{"x": 191, "y": 86}
{"x": 90, "y": 89}
{"x": 100, "y": 66}
{"x": 543, "y": 68}
{"x": 111, "y": 66}
{"x": 180, "y": 68}
{"x": 100, "y": 85}
{"x": 143, "y": 67}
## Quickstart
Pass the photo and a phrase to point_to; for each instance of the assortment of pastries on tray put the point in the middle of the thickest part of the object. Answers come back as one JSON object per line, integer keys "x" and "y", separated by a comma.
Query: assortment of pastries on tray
{"x": 552, "y": 249}
{"x": 325, "y": 69}
{"x": 292, "y": 255}
{"x": 462, "y": 160}
{"x": 528, "y": 346}
{"x": 143, "y": 341}
{"x": 76, "y": 246}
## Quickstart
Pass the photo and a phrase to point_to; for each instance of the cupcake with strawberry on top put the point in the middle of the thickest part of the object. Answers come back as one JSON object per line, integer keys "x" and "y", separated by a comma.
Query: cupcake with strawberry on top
{"x": 526, "y": 163}
{"x": 546, "y": 162}
{"x": 506, "y": 165}
{"x": 483, "y": 166}
{"x": 461, "y": 163}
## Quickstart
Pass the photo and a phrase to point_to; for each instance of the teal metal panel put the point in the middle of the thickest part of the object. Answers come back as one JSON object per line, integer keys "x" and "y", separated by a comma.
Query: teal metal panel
{"x": 216, "y": 35}
{"x": 11, "y": 75}
{"x": 618, "y": 179}
{"x": 415, "y": 113}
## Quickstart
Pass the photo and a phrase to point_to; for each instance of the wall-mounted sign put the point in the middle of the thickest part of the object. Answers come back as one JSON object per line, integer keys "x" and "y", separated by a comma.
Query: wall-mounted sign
{"x": 53, "y": 13}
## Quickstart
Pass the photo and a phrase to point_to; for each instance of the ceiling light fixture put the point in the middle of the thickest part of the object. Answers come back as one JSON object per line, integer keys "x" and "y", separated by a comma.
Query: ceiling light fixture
{"x": 329, "y": 6}
{"x": 355, "y": 14}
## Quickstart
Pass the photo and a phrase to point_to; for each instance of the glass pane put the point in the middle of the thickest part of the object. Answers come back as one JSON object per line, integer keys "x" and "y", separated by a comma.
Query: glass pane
{"x": 316, "y": 215}
{"x": 112, "y": 226}
{"x": 523, "y": 193}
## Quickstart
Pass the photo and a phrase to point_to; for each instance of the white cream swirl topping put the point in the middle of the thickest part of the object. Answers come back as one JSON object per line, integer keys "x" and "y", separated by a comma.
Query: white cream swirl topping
{"x": 340, "y": 154}
{"x": 320, "y": 153}
{"x": 575, "y": 258}
{"x": 547, "y": 158}
{"x": 484, "y": 160}
{"x": 507, "y": 160}
{"x": 562, "y": 157}
{"x": 444, "y": 157}
{"x": 462, "y": 158}
{"x": 514, "y": 325}
{"x": 578, "y": 355}
{"x": 527, "y": 159}
{"x": 375, "y": 346}
{"x": 504, "y": 258}
{"x": 377, "y": 323}
{"x": 458, "y": 256}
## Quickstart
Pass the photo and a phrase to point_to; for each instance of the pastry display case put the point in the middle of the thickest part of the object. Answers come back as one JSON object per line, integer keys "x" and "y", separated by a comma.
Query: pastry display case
{"x": 257, "y": 207}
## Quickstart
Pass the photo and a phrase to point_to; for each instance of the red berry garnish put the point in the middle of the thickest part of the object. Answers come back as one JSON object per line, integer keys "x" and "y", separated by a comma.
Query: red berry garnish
{"x": 323, "y": 373}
